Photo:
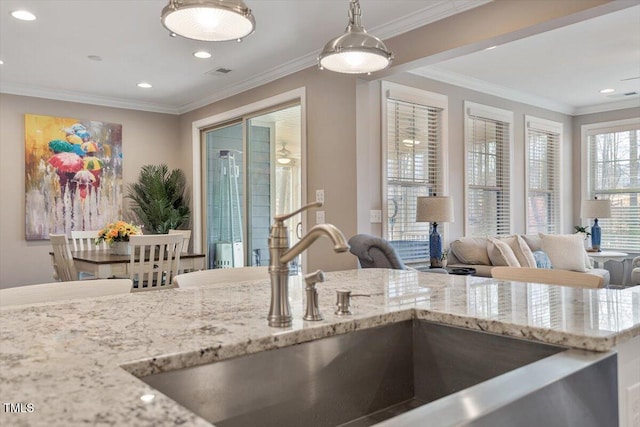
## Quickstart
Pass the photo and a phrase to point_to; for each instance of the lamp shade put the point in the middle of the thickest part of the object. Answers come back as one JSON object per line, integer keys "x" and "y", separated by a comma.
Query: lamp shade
{"x": 208, "y": 20}
{"x": 595, "y": 208}
{"x": 355, "y": 51}
{"x": 434, "y": 209}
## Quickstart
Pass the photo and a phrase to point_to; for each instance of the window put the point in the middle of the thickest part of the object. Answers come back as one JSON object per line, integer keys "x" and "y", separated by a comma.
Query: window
{"x": 414, "y": 164}
{"x": 613, "y": 172}
{"x": 488, "y": 140}
{"x": 544, "y": 142}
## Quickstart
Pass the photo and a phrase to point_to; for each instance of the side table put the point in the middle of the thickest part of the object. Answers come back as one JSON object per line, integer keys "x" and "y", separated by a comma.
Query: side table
{"x": 599, "y": 258}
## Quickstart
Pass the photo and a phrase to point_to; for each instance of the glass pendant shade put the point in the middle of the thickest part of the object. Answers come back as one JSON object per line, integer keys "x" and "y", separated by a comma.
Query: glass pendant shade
{"x": 355, "y": 51}
{"x": 208, "y": 20}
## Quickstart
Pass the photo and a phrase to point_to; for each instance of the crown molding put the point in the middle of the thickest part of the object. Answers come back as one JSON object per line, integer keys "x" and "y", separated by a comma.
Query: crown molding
{"x": 478, "y": 85}
{"x": 609, "y": 106}
{"x": 73, "y": 96}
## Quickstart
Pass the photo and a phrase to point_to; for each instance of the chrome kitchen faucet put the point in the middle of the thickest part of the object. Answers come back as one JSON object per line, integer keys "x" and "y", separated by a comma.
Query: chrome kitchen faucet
{"x": 280, "y": 255}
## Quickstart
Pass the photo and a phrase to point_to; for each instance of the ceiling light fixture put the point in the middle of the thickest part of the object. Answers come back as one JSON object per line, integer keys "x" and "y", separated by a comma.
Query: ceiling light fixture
{"x": 355, "y": 51}
{"x": 208, "y": 20}
{"x": 202, "y": 54}
{"x": 23, "y": 15}
{"x": 145, "y": 85}
{"x": 607, "y": 90}
{"x": 284, "y": 155}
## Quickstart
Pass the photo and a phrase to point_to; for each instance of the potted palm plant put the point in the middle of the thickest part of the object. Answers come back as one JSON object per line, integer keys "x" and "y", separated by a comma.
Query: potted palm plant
{"x": 160, "y": 200}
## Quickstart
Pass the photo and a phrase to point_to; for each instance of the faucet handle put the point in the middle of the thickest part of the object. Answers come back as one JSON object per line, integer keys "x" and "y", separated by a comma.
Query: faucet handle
{"x": 284, "y": 217}
{"x": 344, "y": 301}
{"x": 313, "y": 278}
{"x": 312, "y": 311}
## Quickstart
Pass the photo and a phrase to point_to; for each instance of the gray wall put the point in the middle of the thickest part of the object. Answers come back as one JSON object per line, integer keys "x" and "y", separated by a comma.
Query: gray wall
{"x": 148, "y": 138}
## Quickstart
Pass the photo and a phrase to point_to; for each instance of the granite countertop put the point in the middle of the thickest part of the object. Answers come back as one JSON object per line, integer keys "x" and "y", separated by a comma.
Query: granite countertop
{"x": 73, "y": 360}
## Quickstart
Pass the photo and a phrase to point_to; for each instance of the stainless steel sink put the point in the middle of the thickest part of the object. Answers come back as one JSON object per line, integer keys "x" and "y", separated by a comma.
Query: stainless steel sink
{"x": 422, "y": 370}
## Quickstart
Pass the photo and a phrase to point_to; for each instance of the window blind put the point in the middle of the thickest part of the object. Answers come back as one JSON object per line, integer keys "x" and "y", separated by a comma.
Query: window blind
{"x": 614, "y": 173}
{"x": 413, "y": 153}
{"x": 543, "y": 175}
{"x": 488, "y": 173}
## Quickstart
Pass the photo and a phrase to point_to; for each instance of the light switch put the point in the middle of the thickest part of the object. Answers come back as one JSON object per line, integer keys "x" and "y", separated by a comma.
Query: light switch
{"x": 376, "y": 216}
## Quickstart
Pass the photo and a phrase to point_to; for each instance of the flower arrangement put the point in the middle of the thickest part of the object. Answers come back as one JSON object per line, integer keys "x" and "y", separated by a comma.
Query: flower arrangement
{"x": 118, "y": 231}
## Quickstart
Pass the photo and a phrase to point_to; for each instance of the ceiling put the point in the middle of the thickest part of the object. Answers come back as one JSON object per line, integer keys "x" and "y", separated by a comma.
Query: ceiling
{"x": 48, "y": 57}
{"x": 562, "y": 69}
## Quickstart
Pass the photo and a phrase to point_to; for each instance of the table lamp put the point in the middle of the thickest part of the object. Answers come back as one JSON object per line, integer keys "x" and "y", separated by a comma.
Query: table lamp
{"x": 434, "y": 209}
{"x": 595, "y": 209}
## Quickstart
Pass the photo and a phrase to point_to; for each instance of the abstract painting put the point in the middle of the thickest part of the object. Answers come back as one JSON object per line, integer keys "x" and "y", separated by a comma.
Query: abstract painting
{"x": 73, "y": 175}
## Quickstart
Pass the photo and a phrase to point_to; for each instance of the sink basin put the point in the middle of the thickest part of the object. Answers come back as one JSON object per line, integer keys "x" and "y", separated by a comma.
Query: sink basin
{"x": 422, "y": 370}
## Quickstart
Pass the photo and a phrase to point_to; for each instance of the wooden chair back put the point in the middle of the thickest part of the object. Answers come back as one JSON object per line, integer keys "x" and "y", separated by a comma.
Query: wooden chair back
{"x": 155, "y": 259}
{"x": 60, "y": 291}
{"x": 186, "y": 237}
{"x": 85, "y": 240}
{"x": 220, "y": 275}
{"x": 548, "y": 276}
{"x": 62, "y": 259}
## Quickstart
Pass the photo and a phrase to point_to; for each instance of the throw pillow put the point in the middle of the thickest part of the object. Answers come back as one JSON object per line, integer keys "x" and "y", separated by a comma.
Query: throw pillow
{"x": 522, "y": 251}
{"x": 542, "y": 260}
{"x": 533, "y": 241}
{"x": 501, "y": 254}
{"x": 566, "y": 251}
{"x": 471, "y": 250}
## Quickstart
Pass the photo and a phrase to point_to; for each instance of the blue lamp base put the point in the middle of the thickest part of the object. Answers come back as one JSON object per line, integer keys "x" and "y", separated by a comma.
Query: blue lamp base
{"x": 596, "y": 234}
{"x": 435, "y": 247}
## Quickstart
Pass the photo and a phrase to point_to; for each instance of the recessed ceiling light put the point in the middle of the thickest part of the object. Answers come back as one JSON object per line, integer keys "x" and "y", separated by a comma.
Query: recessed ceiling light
{"x": 23, "y": 15}
{"x": 491, "y": 48}
{"x": 1, "y": 62}
{"x": 607, "y": 90}
{"x": 202, "y": 54}
{"x": 144, "y": 85}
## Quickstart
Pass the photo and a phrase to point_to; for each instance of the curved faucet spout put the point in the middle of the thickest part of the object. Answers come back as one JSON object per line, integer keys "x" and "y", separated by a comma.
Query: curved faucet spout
{"x": 331, "y": 231}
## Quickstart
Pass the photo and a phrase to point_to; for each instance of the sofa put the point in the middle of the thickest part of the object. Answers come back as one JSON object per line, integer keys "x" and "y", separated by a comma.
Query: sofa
{"x": 483, "y": 253}
{"x": 635, "y": 271}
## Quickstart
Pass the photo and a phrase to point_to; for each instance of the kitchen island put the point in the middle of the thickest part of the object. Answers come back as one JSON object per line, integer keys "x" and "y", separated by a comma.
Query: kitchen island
{"x": 71, "y": 363}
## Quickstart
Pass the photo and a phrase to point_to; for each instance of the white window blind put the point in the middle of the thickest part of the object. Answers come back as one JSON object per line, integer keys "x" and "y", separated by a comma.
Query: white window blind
{"x": 614, "y": 173}
{"x": 488, "y": 170}
{"x": 414, "y": 168}
{"x": 543, "y": 141}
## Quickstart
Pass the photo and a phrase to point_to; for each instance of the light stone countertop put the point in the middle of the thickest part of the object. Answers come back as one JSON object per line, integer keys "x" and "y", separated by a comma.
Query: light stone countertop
{"x": 73, "y": 360}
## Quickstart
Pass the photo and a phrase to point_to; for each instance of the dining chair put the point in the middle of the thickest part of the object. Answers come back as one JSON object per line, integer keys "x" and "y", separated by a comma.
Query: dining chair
{"x": 154, "y": 260}
{"x": 186, "y": 236}
{"x": 548, "y": 276}
{"x": 65, "y": 270}
{"x": 60, "y": 291}
{"x": 220, "y": 275}
{"x": 85, "y": 240}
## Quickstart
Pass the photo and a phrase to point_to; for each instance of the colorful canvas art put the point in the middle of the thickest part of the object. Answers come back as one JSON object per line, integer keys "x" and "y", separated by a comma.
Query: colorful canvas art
{"x": 73, "y": 175}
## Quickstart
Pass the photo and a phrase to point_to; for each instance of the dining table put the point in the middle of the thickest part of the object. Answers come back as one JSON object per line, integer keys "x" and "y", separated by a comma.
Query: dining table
{"x": 104, "y": 264}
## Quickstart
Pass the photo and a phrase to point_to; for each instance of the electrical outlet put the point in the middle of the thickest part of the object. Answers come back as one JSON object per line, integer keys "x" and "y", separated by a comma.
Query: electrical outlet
{"x": 375, "y": 216}
{"x": 319, "y": 217}
{"x": 320, "y": 196}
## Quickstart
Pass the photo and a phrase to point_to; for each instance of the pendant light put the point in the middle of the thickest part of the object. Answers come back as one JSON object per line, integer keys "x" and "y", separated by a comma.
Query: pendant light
{"x": 355, "y": 51}
{"x": 284, "y": 155}
{"x": 208, "y": 20}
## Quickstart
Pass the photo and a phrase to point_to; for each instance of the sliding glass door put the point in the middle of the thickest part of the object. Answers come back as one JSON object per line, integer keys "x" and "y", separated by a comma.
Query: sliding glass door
{"x": 252, "y": 173}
